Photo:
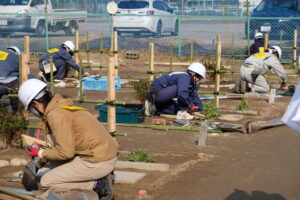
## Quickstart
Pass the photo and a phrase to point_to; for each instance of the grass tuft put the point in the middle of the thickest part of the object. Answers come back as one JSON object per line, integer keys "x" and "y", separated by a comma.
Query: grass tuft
{"x": 210, "y": 110}
{"x": 140, "y": 156}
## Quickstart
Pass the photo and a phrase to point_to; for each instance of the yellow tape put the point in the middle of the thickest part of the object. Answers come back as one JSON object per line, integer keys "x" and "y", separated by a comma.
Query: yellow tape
{"x": 72, "y": 108}
{"x": 53, "y": 50}
{"x": 3, "y": 55}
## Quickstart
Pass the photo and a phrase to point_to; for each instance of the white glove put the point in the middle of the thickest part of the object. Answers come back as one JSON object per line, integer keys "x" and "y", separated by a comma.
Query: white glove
{"x": 184, "y": 115}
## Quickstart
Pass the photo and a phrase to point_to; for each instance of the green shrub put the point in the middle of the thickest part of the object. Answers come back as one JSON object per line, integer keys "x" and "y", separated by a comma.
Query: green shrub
{"x": 210, "y": 110}
{"x": 140, "y": 156}
{"x": 242, "y": 105}
{"x": 141, "y": 88}
{"x": 12, "y": 126}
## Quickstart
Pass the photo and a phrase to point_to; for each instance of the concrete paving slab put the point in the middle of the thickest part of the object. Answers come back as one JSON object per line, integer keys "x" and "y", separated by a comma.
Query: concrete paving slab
{"x": 128, "y": 177}
{"x": 143, "y": 166}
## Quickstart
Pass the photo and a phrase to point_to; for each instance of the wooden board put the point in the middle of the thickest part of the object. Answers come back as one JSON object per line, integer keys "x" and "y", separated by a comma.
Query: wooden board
{"x": 28, "y": 140}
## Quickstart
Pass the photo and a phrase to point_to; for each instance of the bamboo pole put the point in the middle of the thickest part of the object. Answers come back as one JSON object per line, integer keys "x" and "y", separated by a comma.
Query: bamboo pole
{"x": 115, "y": 40}
{"x": 76, "y": 50}
{"x": 191, "y": 52}
{"x": 27, "y": 49}
{"x": 51, "y": 75}
{"x": 151, "y": 61}
{"x": 166, "y": 128}
{"x": 16, "y": 194}
{"x": 7, "y": 41}
{"x": 80, "y": 82}
{"x": 295, "y": 49}
{"x": 280, "y": 37}
{"x": 111, "y": 95}
{"x": 171, "y": 58}
{"x": 101, "y": 42}
{"x": 266, "y": 40}
{"x": 87, "y": 48}
{"x": 24, "y": 65}
{"x": 218, "y": 67}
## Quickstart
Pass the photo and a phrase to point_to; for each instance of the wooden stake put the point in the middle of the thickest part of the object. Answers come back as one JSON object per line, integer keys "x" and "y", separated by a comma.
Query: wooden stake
{"x": 24, "y": 65}
{"x": 202, "y": 134}
{"x": 115, "y": 39}
{"x": 76, "y": 49}
{"x": 217, "y": 75}
{"x": 266, "y": 40}
{"x": 151, "y": 61}
{"x": 111, "y": 95}
{"x": 295, "y": 48}
{"x": 27, "y": 50}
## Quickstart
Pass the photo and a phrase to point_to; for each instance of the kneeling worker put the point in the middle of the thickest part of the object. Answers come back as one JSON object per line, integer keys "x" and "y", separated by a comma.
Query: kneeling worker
{"x": 61, "y": 57}
{"x": 253, "y": 69}
{"x": 89, "y": 151}
{"x": 180, "y": 85}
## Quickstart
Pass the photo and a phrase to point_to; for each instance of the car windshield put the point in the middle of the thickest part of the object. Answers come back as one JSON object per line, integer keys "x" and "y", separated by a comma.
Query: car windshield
{"x": 270, "y": 4}
{"x": 133, "y": 4}
{"x": 14, "y": 2}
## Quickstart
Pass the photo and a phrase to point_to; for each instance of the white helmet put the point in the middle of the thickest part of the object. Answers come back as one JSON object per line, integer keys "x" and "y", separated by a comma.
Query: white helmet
{"x": 70, "y": 45}
{"x": 198, "y": 68}
{"x": 15, "y": 49}
{"x": 278, "y": 50}
{"x": 258, "y": 35}
{"x": 30, "y": 90}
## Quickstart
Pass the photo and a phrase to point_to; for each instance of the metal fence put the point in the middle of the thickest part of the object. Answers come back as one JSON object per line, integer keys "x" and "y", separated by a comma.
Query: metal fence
{"x": 193, "y": 32}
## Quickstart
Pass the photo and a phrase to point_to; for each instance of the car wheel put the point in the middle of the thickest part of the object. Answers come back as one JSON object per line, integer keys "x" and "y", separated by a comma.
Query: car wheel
{"x": 158, "y": 29}
{"x": 41, "y": 29}
{"x": 72, "y": 28}
{"x": 175, "y": 32}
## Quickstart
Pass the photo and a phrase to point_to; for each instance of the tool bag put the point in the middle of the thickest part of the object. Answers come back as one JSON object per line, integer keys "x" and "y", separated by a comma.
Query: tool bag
{"x": 47, "y": 67}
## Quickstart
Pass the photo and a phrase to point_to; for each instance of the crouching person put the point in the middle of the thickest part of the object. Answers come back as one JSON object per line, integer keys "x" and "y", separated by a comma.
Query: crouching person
{"x": 256, "y": 66}
{"x": 89, "y": 151}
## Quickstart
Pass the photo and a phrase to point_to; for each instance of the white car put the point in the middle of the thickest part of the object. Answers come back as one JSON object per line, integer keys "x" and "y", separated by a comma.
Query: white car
{"x": 140, "y": 16}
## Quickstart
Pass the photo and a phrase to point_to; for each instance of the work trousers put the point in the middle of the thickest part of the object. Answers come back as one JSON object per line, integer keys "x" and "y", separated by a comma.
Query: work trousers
{"x": 164, "y": 102}
{"x": 260, "y": 84}
{"x": 76, "y": 174}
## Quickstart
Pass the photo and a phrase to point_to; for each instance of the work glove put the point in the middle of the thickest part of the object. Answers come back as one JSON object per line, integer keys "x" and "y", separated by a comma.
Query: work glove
{"x": 33, "y": 152}
{"x": 283, "y": 84}
{"x": 192, "y": 109}
{"x": 33, "y": 149}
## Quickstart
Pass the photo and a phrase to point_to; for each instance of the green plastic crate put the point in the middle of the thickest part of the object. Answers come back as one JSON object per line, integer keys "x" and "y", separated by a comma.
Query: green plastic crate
{"x": 129, "y": 113}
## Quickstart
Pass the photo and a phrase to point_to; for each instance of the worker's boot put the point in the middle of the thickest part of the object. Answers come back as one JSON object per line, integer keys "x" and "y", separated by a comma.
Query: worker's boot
{"x": 104, "y": 188}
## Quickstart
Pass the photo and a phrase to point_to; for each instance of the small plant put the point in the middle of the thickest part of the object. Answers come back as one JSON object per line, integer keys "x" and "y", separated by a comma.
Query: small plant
{"x": 140, "y": 156}
{"x": 242, "y": 105}
{"x": 12, "y": 126}
{"x": 141, "y": 88}
{"x": 210, "y": 110}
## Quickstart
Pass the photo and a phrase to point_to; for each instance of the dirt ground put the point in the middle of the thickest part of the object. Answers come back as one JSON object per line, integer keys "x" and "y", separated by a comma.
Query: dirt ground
{"x": 260, "y": 166}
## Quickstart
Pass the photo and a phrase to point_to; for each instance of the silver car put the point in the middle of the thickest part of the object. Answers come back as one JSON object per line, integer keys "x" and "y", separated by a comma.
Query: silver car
{"x": 145, "y": 16}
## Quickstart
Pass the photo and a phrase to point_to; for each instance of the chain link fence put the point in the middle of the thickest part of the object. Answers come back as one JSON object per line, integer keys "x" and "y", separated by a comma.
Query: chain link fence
{"x": 190, "y": 29}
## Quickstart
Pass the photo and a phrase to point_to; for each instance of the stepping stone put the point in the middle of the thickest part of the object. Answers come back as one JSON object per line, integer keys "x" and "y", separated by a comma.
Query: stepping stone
{"x": 4, "y": 163}
{"x": 231, "y": 117}
{"x": 128, "y": 177}
{"x": 143, "y": 166}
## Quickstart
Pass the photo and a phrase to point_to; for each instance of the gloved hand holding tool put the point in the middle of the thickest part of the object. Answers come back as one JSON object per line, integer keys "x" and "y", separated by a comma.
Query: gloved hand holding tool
{"x": 33, "y": 150}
